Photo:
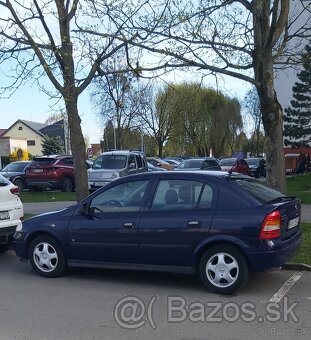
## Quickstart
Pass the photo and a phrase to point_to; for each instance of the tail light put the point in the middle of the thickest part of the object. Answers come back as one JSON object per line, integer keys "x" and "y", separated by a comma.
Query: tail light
{"x": 271, "y": 226}
{"x": 14, "y": 191}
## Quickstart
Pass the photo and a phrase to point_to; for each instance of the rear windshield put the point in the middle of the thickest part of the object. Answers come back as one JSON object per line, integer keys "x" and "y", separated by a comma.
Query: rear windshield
{"x": 42, "y": 161}
{"x": 110, "y": 162}
{"x": 227, "y": 161}
{"x": 252, "y": 161}
{"x": 15, "y": 167}
{"x": 258, "y": 189}
{"x": 193, "y": 163}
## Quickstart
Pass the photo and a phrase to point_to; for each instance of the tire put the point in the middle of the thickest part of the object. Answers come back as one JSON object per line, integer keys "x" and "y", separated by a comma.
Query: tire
{"x": 20, "y": 184}
{"x": 223, "y": 269}
{"x": 67, "y": 185}
{"x": 46, "y": 257}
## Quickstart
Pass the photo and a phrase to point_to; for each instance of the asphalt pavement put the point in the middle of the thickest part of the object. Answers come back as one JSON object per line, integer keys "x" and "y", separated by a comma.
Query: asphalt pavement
{"x": 43, "y": 207}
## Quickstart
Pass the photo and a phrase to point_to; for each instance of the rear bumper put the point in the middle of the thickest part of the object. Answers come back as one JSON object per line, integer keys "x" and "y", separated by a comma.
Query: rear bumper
{"x": 275, "y": 255}
{"x": 49, "y": 183}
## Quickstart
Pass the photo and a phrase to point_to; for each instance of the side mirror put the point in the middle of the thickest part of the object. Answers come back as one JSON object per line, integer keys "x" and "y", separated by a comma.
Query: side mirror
{"x": 84, "y": 209}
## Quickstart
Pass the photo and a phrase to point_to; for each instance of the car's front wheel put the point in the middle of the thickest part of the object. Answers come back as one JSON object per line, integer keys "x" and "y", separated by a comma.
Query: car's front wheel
{"x": 223, "y": 269}
{"x": 46, "y": 256}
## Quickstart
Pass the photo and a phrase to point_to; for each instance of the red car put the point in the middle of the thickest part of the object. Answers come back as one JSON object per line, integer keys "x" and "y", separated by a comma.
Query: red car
{"x": 54, "y": 172}
{"x": 234, "y": 165}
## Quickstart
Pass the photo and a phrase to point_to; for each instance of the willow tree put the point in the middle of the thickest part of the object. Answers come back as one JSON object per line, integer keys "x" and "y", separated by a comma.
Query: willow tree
{"x": 40, "y": 38}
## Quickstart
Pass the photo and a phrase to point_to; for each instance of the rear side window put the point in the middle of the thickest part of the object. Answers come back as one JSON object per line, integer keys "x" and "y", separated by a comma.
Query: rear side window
{"x": 182, "y": 195}
{"x": 258, "y": 190}
{"x": 110, "y": 162}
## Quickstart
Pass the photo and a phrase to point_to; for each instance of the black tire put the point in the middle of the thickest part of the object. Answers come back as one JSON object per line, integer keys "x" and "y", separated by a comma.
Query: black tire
{"x": 232, "y": 271}
{"x": 67, "y": 185}
{"x": 20, "y": 184}
{"x": 46, "y": 257}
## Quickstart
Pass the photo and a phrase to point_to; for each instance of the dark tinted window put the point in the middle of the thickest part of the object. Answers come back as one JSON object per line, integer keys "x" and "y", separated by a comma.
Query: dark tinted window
{"x": 42, "y": 161}
{"x": 190, "y": 163}
{"x": 110, "y": 162}
{"x": 66, "y": 161}
{"x": 258, "y": 189}
{"x": 139, "y": 161}
{"x": 227, "y": 161}
{"x": 15, "y": 167}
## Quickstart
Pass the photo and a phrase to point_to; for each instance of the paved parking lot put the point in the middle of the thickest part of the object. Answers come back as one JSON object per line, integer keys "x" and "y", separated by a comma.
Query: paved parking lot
{"x": 111, "y": 304}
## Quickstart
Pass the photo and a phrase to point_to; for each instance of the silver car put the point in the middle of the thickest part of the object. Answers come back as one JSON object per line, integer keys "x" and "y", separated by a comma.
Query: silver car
{"x": 111, "y": 165}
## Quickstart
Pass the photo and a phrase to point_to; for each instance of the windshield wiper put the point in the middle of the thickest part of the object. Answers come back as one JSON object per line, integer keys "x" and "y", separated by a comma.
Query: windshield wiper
{"x": 282, "y": 199}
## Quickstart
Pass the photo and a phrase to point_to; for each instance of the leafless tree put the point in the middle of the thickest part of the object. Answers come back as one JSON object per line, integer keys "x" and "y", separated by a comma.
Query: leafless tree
{"x": 41, "y": 37}
{"x": 243, "y": 39}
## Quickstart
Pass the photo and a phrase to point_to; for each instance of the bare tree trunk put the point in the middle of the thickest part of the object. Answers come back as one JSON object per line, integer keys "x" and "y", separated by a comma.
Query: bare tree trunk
{"x": 78, "y": 148}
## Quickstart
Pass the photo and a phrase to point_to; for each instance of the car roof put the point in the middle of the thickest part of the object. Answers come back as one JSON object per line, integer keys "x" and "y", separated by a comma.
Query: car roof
{"x": 122, "y": 152}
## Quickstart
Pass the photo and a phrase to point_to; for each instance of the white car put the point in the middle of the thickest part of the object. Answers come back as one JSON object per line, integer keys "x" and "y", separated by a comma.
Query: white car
{"x": 11, "y": 212}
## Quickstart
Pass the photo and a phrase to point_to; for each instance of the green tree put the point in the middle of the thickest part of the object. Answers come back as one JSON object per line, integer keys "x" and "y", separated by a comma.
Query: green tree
{"x": 52, "y": 145}
{"x": 297, "y": 118}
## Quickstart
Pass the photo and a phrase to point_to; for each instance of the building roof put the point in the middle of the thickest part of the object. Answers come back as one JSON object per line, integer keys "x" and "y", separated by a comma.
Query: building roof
{"x": 31, "y": 125}
{"x": 2, "y": 131}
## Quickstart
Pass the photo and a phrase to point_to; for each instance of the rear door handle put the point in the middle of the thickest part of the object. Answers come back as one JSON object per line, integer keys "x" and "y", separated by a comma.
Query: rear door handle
{"x": 194, "y": 224}
{"x": 129, "y": 225}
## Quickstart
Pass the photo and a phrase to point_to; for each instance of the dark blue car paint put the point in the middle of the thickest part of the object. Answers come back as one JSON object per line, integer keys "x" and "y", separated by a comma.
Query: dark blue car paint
{"x": 166, "y": 239}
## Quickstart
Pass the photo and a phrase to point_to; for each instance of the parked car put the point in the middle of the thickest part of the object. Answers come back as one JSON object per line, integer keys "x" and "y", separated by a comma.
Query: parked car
{"x": 172, "y": 161}
{"x": 155, "y": 161}
{"x": 222, "y": 226}
{"x": 111, "y": 165}
{"x": 234, "y": 165}
{"x": 257, "y": 166}
{"x": 154, "y": 168}
{"x": 54, "y": 172}
{"x": 11, "y": 212}
{"x": 15, "y": 172}
{"x": 206, "y": 163}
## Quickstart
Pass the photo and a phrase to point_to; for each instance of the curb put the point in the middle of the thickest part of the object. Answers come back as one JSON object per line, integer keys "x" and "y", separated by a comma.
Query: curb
{"x": 297, "y": 266}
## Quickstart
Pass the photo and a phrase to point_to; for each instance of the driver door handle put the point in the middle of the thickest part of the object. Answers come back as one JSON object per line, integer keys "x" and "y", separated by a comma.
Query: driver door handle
{"x": 129, "y": 225}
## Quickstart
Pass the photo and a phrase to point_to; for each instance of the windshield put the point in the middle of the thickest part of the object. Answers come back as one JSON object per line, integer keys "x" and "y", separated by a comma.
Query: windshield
{"x": 190, "y": 163}
{"x": 258, "y": 189}
{"x": 227, "y": 161}
{"x": 252, "y": 161}
{"x": 15, "y": 167}
{"x": 110, "y": 162}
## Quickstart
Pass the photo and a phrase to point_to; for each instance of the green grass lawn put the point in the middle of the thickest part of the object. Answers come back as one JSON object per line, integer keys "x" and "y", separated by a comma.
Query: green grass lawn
{"x": 47, "y": 196}
{"x": 304, "y": 254}
{"x": 299, "y": 186}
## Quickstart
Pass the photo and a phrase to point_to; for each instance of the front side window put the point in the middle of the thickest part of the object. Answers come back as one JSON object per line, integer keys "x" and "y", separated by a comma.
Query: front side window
{"x": 123, "y": 197}
{"x": 182, "y": 195}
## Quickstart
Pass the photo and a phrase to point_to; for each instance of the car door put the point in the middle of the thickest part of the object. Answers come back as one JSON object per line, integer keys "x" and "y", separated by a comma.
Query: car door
{"x": 105, "y": 228}
{"x": 174, "y": 224}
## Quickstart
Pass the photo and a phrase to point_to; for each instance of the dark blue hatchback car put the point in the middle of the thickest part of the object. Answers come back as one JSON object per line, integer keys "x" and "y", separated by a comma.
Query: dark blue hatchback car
{"x": 219, "y": 225}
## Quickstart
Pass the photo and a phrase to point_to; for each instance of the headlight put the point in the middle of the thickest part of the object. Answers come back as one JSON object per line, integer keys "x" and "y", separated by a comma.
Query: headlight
{"x": 115, "y": 175}
{"x": 19, "y": 227}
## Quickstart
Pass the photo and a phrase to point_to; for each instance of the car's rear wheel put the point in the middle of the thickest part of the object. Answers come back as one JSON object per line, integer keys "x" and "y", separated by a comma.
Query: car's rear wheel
{"x": 223, "y": 269}
{"x": 20, "y": 184}
{"x": 67, "y": 185}
{"x": 46, "y": 256}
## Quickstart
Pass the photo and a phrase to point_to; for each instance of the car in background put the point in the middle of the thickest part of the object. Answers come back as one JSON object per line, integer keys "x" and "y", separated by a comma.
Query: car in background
{"x": 53, "y": 172}
{"x": 172, "y": 161}
{"x": 206, "y": 163}
{"x": 11, "y": 212}
{"x": 15, "y": 172}
{"x": 111, "y": 165}
{"x": 234, "y": 165}
{"x": 219, "y": 225}
{"x": 154, "y": 168}
{"x": 155, "y": 161}
{"x": 257, "y": 166}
